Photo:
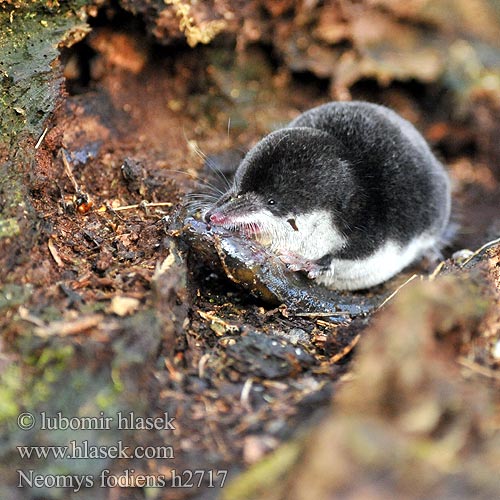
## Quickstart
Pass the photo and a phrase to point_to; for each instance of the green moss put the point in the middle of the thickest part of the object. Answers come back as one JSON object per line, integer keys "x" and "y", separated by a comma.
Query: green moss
{"x": 29, "y": 44}
{"x": 30, "y": 85}
{"x": 32, "y": 384}
{"x": 8, "y": 227}
{"x": 12, "y": 295}
{"x": 10, "y": 388}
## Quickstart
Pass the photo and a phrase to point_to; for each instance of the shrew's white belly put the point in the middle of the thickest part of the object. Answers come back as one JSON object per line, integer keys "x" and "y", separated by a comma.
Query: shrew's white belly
{"x": 380, "y": 266}
{"x": 312, "y": 235}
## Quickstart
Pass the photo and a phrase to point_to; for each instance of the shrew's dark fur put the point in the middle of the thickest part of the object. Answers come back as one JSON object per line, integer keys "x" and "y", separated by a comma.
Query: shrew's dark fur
{"x": 361, "y": 161}
{"x": 367, "y": 166}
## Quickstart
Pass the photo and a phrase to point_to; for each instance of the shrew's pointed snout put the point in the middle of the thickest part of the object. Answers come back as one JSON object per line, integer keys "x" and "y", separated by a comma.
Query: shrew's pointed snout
{"x": 215, "y": 214}
{"x": 214, "y": 217}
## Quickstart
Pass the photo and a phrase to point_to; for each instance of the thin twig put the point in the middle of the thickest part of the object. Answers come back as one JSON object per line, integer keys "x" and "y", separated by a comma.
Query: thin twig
{"x": 436, "y": 271}
{"x": 393, "y": 294}
{"x": 142, "y": 205}
{"x": 327, "y": 324}
{"x": 346, "y": 350}
{"x": 64, "y": 328}
{"x": 41, "y": 138}
{"x": 486, "y": 246}
{"x": 321, "y": 314}
{"x": 69, "y": 172}
{"x": 25, "y": 315}
{"x": 477, "y": 368}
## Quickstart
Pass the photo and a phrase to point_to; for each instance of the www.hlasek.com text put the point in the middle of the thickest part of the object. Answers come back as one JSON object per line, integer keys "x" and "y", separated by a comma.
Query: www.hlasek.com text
{"x": 85, "y": 450}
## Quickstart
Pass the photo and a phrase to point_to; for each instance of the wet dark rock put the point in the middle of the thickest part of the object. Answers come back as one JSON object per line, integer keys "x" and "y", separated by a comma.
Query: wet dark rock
{"x": 258, "y": 270}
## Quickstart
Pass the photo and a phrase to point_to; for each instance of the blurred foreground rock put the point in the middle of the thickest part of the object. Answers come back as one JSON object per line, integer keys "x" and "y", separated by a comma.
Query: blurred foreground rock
{"x": 413, "y": 423}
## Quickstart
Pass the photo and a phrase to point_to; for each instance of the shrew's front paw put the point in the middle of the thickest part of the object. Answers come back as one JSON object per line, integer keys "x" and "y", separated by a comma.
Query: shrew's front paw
{"x": 296, "y": 263}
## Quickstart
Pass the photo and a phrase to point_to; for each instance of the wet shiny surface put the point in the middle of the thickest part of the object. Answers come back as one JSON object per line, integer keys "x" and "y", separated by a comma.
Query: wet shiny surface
{"x": 255, "y": 268}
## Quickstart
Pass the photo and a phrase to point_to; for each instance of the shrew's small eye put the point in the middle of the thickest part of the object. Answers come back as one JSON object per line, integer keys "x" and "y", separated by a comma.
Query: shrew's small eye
{"x": 271, "y": 202}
